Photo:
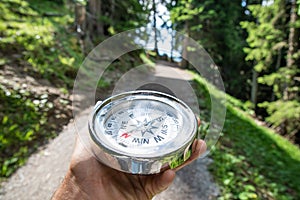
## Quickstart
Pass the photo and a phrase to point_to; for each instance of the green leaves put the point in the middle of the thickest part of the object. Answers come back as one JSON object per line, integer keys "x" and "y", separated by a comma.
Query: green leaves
{"x": 38, "y": 40}
{"x": 5, "y": 119}
{"x": 270, "y": 43}
{"x": 263, "y": 35}
{"x": 280, "y": 111}
{"x": 20, "y": 126}
{"x": 11, "y": 164}
{"x": 6, "y": 168}
{"x": 247, "y": 195}
{"x": 251, "y": 161}
{"x": 185, "y": 11}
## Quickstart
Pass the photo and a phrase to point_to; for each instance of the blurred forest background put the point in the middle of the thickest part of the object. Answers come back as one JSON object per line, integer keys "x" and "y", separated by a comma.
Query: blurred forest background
{"x": 254, "y": 43}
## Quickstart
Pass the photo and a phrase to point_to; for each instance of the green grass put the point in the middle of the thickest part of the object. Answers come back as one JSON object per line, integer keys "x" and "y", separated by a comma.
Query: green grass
{"x": 250, "y": 161}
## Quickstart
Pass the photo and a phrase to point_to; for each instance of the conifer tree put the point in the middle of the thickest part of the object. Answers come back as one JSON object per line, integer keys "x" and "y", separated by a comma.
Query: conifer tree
{"x": 273, "y": 46}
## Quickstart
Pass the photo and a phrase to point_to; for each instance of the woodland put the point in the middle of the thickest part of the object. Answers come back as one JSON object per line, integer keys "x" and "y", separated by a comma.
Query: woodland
{"x": 254, "y": 44}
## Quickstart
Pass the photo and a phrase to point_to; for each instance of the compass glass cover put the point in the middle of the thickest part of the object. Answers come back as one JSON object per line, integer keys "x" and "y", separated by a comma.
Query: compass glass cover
{"x": 143, "y": 124}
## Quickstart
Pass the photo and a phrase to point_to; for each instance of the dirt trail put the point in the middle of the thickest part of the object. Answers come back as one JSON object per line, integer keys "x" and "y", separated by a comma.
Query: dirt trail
{"x": 44, "y": 170}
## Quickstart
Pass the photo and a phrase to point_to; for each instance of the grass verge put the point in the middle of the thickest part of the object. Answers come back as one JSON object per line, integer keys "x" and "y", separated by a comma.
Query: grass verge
{"x": 250, "y": 161}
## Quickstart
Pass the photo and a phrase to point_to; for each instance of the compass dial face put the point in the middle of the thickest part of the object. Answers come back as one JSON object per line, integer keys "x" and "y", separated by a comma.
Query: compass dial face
{"x": 143, "y": 125}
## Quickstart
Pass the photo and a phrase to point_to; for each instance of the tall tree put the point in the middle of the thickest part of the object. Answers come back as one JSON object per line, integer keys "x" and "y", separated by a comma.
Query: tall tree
{"x": 264, "y": 38}
{"x": 274, "y": 50}
{"x": 182, "y": 14}
{"x": 107, "y": 17}
{"x": 293, "y": 48}
{"x": 215, "y": 25}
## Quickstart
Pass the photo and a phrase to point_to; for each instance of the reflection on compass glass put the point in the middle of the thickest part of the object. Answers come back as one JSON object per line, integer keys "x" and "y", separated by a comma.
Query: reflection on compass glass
{"x": 143, "y": 125}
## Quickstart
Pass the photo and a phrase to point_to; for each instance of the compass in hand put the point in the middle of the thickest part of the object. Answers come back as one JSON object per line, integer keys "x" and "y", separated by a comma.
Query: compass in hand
{"x": 142, "y": 131}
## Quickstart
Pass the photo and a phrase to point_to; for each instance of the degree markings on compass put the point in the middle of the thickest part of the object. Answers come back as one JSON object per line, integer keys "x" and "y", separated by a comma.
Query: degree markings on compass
{"x": 121, "y": 112}
{"x": 122, "y": 144}
{"x": 109, "y": 132}
{"x": 131, "y": 115}
{"x": 150, "y": 123}
{"x": 170, "y": 114}
{"x": 113, "y": 118}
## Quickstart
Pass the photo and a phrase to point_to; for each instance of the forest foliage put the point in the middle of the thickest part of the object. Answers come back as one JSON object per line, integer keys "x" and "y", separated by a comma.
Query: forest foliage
{"x": 256, "y": 46}
{"x": 254, "y": 43}
{"x": 250, "y": 161}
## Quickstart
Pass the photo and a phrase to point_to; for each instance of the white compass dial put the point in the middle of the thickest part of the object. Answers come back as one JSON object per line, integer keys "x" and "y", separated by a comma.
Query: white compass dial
{"x": 144, "y": 123}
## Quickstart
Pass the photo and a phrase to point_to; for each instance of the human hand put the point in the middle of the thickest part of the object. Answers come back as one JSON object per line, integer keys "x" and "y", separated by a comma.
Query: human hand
{"x": 88, "y": 178}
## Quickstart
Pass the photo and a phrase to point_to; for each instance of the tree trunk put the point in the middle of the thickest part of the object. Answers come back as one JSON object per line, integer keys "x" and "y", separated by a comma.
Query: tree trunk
{"x": 277, "y": 66}
{"x": 154, "y": 27}
{"x": 254, "y": 87}
{"x": 95, "y": 26}
{"x": 80, "y": 17}
{"x": 184, "y": 62}
{"x": 172, "y": 44}
{"x": 293, "y": 44}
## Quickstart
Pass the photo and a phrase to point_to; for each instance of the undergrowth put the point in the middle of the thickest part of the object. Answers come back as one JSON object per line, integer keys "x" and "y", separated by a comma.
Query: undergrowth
{"x": 250, "y": 161}
{"x": 37, "y": 36}
{"x": 23, "y": 126}
{"x": 36, "y": 40}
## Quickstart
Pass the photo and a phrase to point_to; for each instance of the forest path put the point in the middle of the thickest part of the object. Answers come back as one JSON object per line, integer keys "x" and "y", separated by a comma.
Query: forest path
{"x": 45, "y": 169}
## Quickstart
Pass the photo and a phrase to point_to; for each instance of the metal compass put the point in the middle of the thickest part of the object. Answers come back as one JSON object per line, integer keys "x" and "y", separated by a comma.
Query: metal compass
{"x": 142, "y": 132}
